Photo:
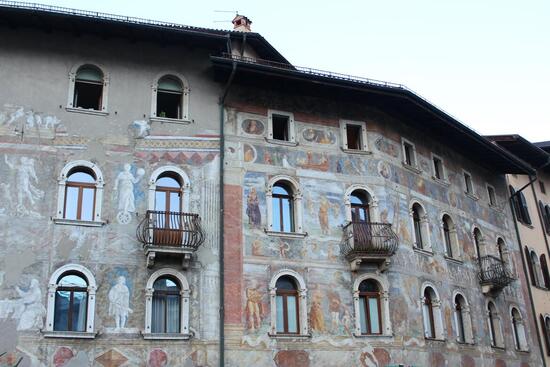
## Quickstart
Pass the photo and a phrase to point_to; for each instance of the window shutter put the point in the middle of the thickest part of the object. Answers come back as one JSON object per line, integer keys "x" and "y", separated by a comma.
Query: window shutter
{"x": 547, "y": 214}
{"x": 530, "y": 266}
{"x": 543, "y": 215}
{"x": 515, "y": 204}
{"x": 524, "y": 209}
{"x": 545, "y": 332}
{"x": 545, "y": 274}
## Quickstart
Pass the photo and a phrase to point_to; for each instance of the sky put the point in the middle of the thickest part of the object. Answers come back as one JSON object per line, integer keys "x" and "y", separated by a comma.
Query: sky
{"x": 485, "y": 62}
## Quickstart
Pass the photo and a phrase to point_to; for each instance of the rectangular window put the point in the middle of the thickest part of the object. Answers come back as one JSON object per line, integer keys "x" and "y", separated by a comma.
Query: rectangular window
{"x": 280, "y": 315}
{"x": 408, "y": 151}
{"x": 374, "y": 314}
{"x": 438, "y": 168}
{"x": 280, "y": 127}
{"x": 353, "y": 134}
{"x": 88, "y": 95}
{"x": 468, "y": 183}
{"x": 492, "y": 196}
{"x": 291, "y": 308}
{"x": 542, "y": 187}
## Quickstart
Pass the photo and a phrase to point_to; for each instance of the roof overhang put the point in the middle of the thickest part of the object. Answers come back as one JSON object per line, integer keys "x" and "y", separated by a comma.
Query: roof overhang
{"x": 529, "y": 152}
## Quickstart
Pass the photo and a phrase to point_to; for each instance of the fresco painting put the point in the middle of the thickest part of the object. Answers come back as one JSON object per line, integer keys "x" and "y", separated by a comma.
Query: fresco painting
{"x": 253, "y": 126}
{"x": 325, "y": 137}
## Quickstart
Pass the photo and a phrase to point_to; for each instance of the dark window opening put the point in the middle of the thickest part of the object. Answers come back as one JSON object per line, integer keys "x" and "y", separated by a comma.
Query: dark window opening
{"x": 468, "y": 183}
{"x": 542, "y": 187}
{"x": 438, "y": 168}
{"x": 353, "y": 134}
{"x": 280, "y": 127}
{"x": 409, "y": 154}
{"x": 169, "y": 98}
{"x": 491, "y": 193}
{"x": 88, "y": 88}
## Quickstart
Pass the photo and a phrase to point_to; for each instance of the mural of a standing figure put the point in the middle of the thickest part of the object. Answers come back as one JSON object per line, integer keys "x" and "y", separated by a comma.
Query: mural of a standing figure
{"x": 119, "y": 302}
{"x": 324, "y": 207}
{"x": 253, "y": 308}
{"x": 253, "y": 209}
{"x": 317, "y": 318}
{"x": 124, "y": 186}
{"x": 26, "y": 191}
{"x": 32, "y": 316}
{"x": 334, "y": 308}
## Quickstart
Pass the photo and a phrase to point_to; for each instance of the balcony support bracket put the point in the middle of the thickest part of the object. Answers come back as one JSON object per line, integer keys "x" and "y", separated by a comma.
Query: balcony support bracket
{"x": 151, "y": 259}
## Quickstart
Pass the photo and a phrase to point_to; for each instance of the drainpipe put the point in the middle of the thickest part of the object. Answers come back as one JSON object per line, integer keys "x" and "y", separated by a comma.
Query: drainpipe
{"x": 221, "y": 226}
{"x": 525, "y": 270}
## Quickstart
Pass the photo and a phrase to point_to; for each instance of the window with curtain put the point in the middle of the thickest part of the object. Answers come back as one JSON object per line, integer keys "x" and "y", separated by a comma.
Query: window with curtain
{"x": 166, "y": 306}
{"x": 80, "y": 192}
{"x": 370, "y": 316}
{"x": 287, "y": 306}
{"x": 283, "y": 208}
{"x": 71, "y": 302}
{"x": 88, "y": 88}
{"x": 428, "y": 313}
{"x": 169, "y": 97}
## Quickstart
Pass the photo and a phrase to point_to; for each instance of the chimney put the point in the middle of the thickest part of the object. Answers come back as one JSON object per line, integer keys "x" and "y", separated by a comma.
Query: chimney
{"x": 241, "y": 23}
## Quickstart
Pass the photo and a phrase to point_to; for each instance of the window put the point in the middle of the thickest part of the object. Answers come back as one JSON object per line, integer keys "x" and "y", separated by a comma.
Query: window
{"x": 88, "y": 88}
{"x": 79, "y": 194}
{"x": 542, "y": 187}
{"x": 545, "y": 327}
{"x": 281, "y": 127}
{"x": 288, "y": 304}
{"x": 520, "y": 206}
{"x": 288, "y": 315}
{"x": 71, "y": 302}
{"x": 431, "y": 312}
{"x": 478, "y": 240}
{"x": 450, "y": 237}
{"x": 409, "y": 153}
{"x": 520, "y": 341}
{"x": 169, "y": 97}
{"x": 491, "y": 195}
{"x": 468, "y": 186}
{"x": 420, "y": 227}
{"x": 168, "y": 218}
{"x": 534, "y": 269}
{"x": 167, "y": 305}
{"x": 495, "y": 328}
{"x": 354, "y": 136}
{"x": 544, "y": 270}
{"x": 545, "y": 215}
{"x": 370, "y": 316}
{"x": 463, "y": 322}
{"x": 438, "y": 168}
{"x": 284, "y": 210}
{"x": 360, "y": 211}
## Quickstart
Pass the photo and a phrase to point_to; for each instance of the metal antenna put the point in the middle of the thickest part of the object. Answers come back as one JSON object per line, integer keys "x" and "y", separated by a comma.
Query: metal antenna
{"x": 225, "y": 11}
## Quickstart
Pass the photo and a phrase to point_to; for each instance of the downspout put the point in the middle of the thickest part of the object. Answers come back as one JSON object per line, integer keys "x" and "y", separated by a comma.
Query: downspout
{"x": 525, "y": 270}
{"x": 221, "y": 226}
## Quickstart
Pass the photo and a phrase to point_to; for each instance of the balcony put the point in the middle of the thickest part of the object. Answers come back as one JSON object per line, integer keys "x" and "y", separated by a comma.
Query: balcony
{"x": 170, "y": 234}
{"x": 493, "y": 274}
{"x": 368, "y": 242}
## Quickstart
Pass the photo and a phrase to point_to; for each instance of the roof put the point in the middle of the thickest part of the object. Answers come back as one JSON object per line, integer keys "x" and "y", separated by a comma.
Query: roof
{"x": 22, "y": 14}
{"x": 394, "y": 99}
{"x": 544, "y": 145}
{"x": 523, "y": 149}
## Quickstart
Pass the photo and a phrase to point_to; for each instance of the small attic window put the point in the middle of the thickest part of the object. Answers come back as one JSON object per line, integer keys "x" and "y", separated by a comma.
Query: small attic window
{"x": 169, "y": 97}
{"x": 88, "y": 88}
{"x": 280, "y": 127}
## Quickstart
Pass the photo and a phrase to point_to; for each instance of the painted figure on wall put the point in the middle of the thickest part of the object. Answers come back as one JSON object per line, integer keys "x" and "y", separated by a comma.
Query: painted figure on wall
{"x": 249, "y": 153}
{"x": 157, "y": 358}
{"x": 324, "y": 207}
{"x": 334, "y": 305}
{"x": 316, "y": 312}
{"x": 319, "y": 136}
{"x": 119, "y": 302}
{"x": 253, "y": 209}
{"x": 253, "y": 127}
{"x": 124, "y": 187}
{"x": 346, "y": 321}
{"x": 33, "y": 311}
{"x": 253, "y": 308}
{"x": 26, "y": 191}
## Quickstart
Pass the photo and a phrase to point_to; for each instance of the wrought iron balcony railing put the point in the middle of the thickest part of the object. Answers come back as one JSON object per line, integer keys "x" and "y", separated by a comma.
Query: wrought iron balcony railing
{"x": 493, "y": 273}
{"x": 368, "y": 241}
{"x": 170, "y": 232}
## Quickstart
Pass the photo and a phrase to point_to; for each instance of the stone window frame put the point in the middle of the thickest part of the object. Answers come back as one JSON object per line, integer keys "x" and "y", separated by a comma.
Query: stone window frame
{"x": 364, "y": 136}
{"x": 481, "y": 251}
{"x": 291, "y": 128}
{"x": 466, "y": 319}
{"x": 535, "y": 268}
{"x": 545, "y": 330}
{"x": 61, "y": 191}
{"x": 437, "y": 311}
{"x": 105, "y": 91}
{"x": 488, "y": 188}
{"x": 373, "y": 201}
{"x": 520, "y": 338}
{"x": 444, "y": 177}
{"x": 453, "y": 234}
{"x": 185, "y": 293}
{"x": 472, "y": 194}
{"x": 414, "y": 166}
{"x": 297, "y": 206}
{"x": 185, "y": 119}
{"x": 90, "y": 307}
{"x": 386, "y": 326}
{"x": 499, "y": 332}
{"x": 425, "y": 228}
{"x": 302, "y": 304}
{"x": 186, "y": 186}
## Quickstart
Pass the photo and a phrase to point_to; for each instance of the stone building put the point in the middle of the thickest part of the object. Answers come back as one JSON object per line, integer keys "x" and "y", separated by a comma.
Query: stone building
{"x": 360, "y": 226}
{"x": 531, "y": 204}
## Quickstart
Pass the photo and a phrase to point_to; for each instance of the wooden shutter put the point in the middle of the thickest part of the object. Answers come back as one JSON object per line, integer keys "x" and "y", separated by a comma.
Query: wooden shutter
{"x": 515, "y": 203}
{"x": 545, "y": 274}
{"x": 524, "y": 209}
{"x": 545, "y": 333}
{"x": 530, "y": 266}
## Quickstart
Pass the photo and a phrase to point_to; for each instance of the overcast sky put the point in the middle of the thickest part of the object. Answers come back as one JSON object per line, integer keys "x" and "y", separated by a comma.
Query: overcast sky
{"x": 486, "y": 62}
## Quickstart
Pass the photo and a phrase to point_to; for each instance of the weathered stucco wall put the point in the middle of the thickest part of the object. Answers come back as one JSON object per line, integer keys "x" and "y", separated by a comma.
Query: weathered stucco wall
{"x": 324, "y": 173}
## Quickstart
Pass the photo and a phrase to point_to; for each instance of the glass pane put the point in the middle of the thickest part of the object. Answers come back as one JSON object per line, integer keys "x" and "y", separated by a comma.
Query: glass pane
{"x": 160, "y": 201}
{"x": 280, "y": 315}
{"x": 287, "y": 216}
{"x": 158, "y": 317}
{"x": 276, "y": 215}
{"x": 168, "y": 182}
{"x": 173, "y": 314}
{"x": 89, "y": 73}
{"x": 355, "y": 200}
{"x": 286, "y": 283}
{"x": 280, "y": 190}
{"x": 373, "y": 315}
{"x": 166, "y": 284}
{"x": 71, "y": 202}
{"x": 362, "y": 315}
{"x": 368, "y": 285}
{"x": 291, "y": 312}
{"x": 171, "y": 84}
{"x": 175, "y": 202}
{"x": 79, "y": 311}
{"x": 60, "y": 318}
{"x": 427, "y": 321}
{"x": 81, "y": 177}
{"x": 72, "y": 280}
{"x": 88, "y": 196}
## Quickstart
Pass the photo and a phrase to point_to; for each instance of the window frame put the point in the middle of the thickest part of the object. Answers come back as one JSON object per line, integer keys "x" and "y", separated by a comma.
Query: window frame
{"x": 443, "y": 178}
{"x": 363, "y": 138}
{"x": 372, "y": 202}
{"x": 470, "y": 193}
{"x": 414, "y": 157}
{"x": 285, "y": 293}
{"x": 72, "y": 88}
{"x": 451, "y": 239}
{"x": 494, "y": 324}
{"x": 383, "y": 306}
{"x": 296, "y": 207}
{"x": 433, "y": 309}
{"x": 492, "y": 200}
{"x": 463, "y": 319}
{"x": 186, "y": 91}
{"x": 423, "y": 228}
{"x": 303, "y": 325}
{"x": 518, "y": 330}
{"x": 291, "y": 128}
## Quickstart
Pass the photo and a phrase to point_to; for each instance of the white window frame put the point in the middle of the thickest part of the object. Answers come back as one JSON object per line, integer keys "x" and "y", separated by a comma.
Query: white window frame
{"x": 499, "y": 335}
{"x": 364, "y": 142}
{"x": 489, "y": 186}
{"x": 414, "y": 165}
{"x": 386, "y": 326}
{"x": 61, "y": 190}
{"x": 297, "y": 206}
{"x": 521, "y": 336}
{"x": 185, "y": 293}
{"x": 424, "y": 228}
{"x": 439, "y": 326}
{"x": 105, "y": 91}
{"x": 184, "y": 103}
{"x": 443, "y": 178}
{"x": 90, "y": 307}
{"x": 472, "y": 194}
{"x": 373, "y": 201}
{"x": 302, "y": 294}
{"x": 466, "y": 320}
{"x": 186, "y": 186}
{"x": 453, "y": 233}
{"x": 291, "y": 128}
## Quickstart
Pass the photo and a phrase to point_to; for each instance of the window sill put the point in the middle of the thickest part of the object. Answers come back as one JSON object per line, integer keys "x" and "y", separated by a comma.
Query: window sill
{"x": 471, "y": 196}
{"x": 286, "y": 234}
{"x": 356, "y": 151}
{"x": 75, "y": 222}
{"x": 290, "y": 336}
{"x": 69, "y": 334}
{"x": 422, "y": 251}
{"x": 282, "y": 142}
{"x": 523, "y": 351}
{"x": 453, "y": 260}
{"x": 414, "y": 169}
{"x": 465, "y": 344}
{"x": 435, "y": 340}
{"x": 498, "y": 348}
{"x": 165, "y": 336}
{"x": 530, "y": 226}
{"x": 86, "y": 111}
{"x": 163, "y": 120}
{"x": 374, "y": 336}
{"x": 441, "y": 181}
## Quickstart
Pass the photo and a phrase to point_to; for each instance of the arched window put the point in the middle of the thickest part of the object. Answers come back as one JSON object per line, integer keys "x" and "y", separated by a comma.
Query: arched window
{"x": 463, "y": 321}
{"x": 535, "y": 270}
{"x": 420, "y": 227}
{"x": 478, "y": 241}
{"x": 169, "y": 223}
{"x": 80, "y": 193}
{"x": 288, "y": 315}
{"x": 360, "y": 210}
{"x": 170, "y": 97}
{"x": 71, "y": 301}
{"x": 283, "y": 208}
{"x": 88, "y": 88}
{"x": 450, "y": 237}
{"x": 544, "y": 269}
{"x": 370, "y": 315}
{"x": 167, "y": 305}
{"x": 545, "y": 327}
{"x": 431, "y": 312}
{"x": 495, "y": 327}
{"x": 518, "y": 329}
